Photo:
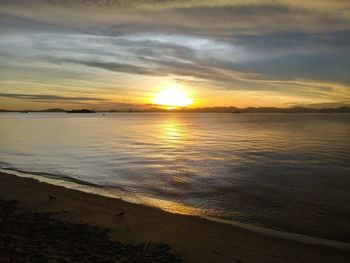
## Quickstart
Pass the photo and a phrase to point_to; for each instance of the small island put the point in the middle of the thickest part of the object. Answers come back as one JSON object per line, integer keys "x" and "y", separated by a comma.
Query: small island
{"x": 81, "y": 111}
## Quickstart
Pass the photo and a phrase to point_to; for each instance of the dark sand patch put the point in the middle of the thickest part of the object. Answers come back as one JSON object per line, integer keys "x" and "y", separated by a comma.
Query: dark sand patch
{"x": 40, "y": 237}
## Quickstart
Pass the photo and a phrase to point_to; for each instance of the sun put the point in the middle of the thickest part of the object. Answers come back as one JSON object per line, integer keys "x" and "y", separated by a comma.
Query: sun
{"x": 172, "y": 98}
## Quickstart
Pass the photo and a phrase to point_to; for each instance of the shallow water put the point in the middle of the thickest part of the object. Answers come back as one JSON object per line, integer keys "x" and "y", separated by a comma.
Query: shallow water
{"x": 284, "y": 171}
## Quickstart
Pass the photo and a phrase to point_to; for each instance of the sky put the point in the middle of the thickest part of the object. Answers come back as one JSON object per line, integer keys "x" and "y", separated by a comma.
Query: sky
{"x": 117, "y": 54}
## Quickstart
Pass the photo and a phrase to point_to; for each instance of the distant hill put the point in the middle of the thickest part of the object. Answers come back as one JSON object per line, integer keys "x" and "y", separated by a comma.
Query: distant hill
{"x": 54, "y": 110}
{"x": 211, "y": 109}
{"x": 344, "y": 109}
{"x": 48, "y": 110}
{"x": 265, "y": 110}
{"x": 2, "y": 110}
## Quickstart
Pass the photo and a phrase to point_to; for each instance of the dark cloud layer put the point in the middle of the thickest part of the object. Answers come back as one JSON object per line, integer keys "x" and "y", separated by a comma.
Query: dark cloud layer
{"x": 296, "y": 49}
{"x": 46, "y": 98}
{"x": 113, "y": 66}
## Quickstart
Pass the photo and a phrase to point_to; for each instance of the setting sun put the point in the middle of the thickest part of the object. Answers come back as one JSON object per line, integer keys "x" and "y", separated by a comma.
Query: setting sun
{"x": 172, "y": 97}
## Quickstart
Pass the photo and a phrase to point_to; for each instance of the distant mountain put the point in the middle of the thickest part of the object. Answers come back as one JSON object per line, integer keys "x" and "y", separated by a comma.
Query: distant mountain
{"x": 265, "y": 110}
{"x": 211, "y": 110}
{"x": 26, "y": 111}
{"x": 344, "y": 109}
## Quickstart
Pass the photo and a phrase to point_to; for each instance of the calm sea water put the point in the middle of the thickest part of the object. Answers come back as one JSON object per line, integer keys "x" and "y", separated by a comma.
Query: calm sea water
{"x": 284, "y": 171}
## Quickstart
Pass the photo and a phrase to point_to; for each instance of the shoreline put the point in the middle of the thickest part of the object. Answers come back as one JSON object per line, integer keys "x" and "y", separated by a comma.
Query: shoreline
{"x": 87, "y": 187}
{"x": 194, "y": 238}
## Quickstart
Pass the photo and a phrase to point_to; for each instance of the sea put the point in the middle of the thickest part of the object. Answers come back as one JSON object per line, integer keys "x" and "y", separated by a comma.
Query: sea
{"x": 288, "y": 172}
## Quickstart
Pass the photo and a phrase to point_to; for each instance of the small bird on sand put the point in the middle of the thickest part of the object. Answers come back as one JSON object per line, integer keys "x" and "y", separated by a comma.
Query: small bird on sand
{"x": 120, "y": 213}
{"x": 51, "y": 197}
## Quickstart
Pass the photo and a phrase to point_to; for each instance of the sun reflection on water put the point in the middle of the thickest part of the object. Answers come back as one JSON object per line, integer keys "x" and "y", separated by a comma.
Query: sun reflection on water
{"x": 172, "y": 133}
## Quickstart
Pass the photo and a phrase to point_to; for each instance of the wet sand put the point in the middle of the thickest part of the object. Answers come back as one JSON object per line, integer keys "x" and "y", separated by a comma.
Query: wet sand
{"x": 194, "y": 239}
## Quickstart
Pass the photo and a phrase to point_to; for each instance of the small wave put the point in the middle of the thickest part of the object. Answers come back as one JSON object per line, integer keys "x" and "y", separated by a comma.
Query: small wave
{"x": 53, "y": 176}
{"x": 4, "y": 165}
{"x": 61, "y": 177}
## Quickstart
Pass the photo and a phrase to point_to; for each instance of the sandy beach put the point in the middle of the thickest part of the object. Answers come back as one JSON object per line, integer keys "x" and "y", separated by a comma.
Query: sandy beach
{"x": 193, "y": 239}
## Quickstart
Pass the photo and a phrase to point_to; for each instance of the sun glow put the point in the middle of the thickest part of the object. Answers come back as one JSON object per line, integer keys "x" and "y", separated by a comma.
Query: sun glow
{"x": 172, "y": 98}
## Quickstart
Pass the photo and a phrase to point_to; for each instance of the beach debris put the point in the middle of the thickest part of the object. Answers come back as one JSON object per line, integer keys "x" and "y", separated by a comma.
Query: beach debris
{"x": 51, "y": 197}
{"x": 120, "y": 213}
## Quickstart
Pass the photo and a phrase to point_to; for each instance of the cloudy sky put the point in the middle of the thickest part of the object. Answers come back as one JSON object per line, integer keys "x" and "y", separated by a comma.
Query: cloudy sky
{"x": 109, "y": 54}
